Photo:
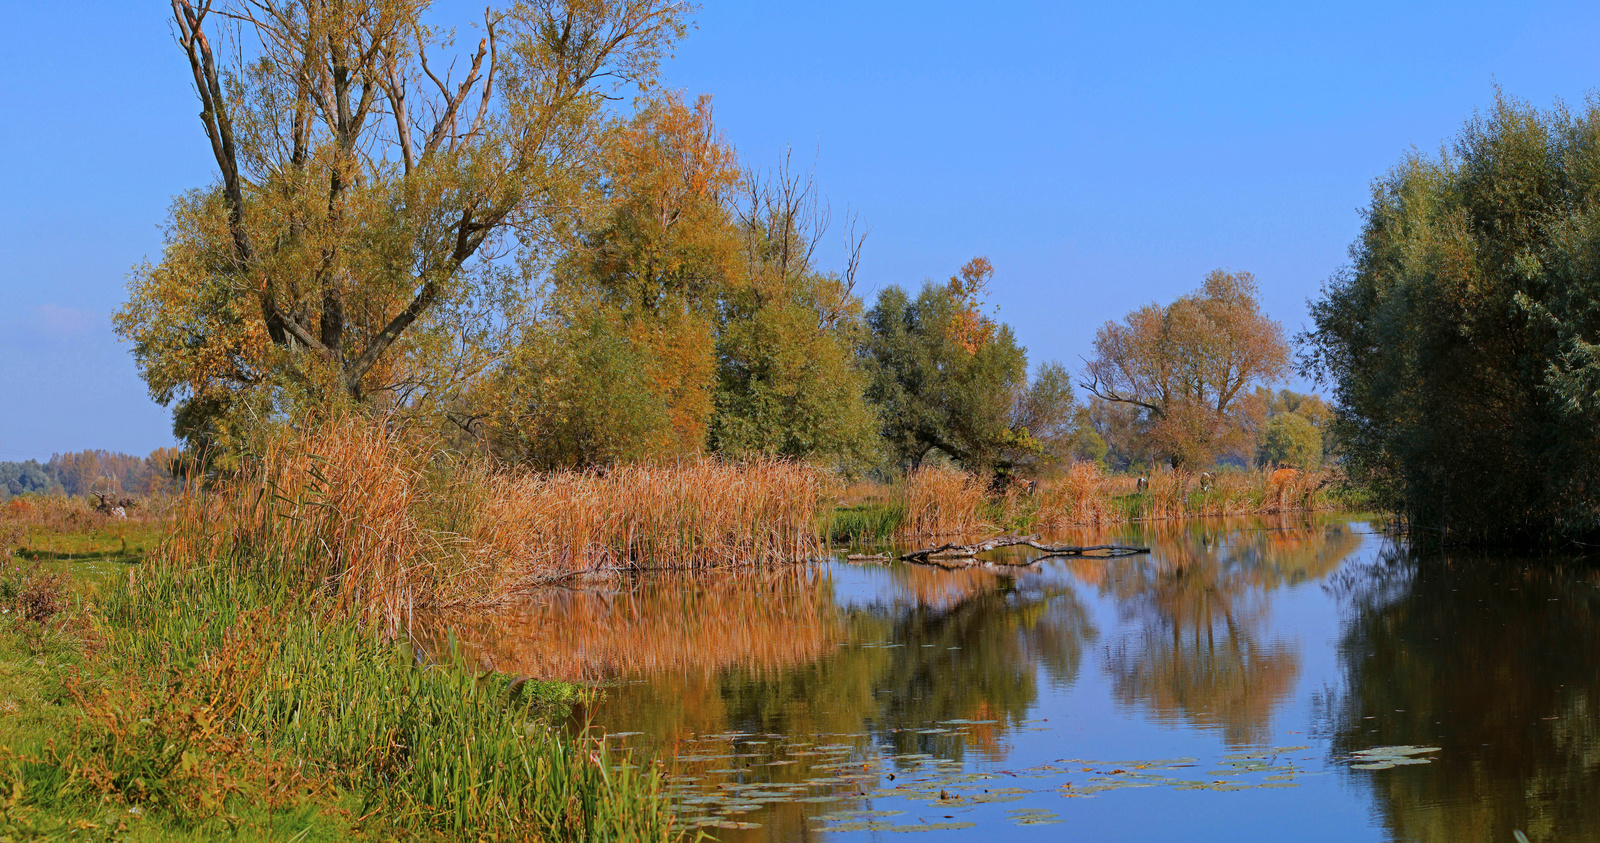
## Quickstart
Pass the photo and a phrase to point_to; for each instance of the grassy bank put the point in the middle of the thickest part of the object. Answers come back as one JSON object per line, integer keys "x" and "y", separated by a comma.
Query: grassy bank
{"x": 249, "y": 677}
{"x": 202, "y": 704}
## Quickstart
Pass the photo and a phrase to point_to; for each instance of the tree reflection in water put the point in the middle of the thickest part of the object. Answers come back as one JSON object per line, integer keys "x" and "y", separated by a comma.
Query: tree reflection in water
{"x": 775, "y": 653}
{"x": 1202, "y": 650}
{"x": 786, "y": 657}
{"x": 778, "y": 655}
{"x": 1497, "y": 662}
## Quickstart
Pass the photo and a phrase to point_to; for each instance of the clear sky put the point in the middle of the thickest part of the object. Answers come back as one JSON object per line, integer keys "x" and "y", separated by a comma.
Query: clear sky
{"x": 1103, "y": 156}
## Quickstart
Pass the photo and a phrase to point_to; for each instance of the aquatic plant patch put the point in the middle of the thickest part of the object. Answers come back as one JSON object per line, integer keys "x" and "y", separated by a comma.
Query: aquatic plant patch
{"x": 853, "y": 783}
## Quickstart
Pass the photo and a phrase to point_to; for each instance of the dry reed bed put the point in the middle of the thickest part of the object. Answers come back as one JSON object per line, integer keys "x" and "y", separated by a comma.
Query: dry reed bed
{"x": 678, "y": 515}
{"x": 943, "y": 502}
{"x": 59, "y": 514}
{"x": 385, "y": 527}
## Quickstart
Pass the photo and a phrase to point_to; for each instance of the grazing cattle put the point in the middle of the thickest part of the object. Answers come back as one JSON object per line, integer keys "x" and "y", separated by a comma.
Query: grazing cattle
{"x": 114, "y": 507}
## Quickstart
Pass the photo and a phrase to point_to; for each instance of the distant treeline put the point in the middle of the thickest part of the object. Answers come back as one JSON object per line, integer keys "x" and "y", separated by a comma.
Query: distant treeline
{"x": 85, "y": 472}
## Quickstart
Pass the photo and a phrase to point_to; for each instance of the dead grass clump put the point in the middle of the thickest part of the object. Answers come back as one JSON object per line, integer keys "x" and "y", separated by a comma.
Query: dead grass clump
{"x": 51, "y": 514}
{"x": 943, "y": 501}
{"x": 32, "y": 593}
{"x": 173, "y": 744}
{"x": 1076, "y": 499}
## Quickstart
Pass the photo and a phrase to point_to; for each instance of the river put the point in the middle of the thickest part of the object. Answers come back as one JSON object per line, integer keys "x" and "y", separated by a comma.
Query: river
{"x": 1265, "y": 679}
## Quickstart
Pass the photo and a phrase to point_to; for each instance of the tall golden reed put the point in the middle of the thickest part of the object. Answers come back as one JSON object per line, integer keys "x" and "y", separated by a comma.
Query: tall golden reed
{"x": 385, "y": 526}
{"x": 945, "y": 503}
{"x": 689, "y": 514}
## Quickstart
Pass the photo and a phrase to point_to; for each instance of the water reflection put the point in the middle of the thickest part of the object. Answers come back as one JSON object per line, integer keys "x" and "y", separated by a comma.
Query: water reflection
{"x": 1203, "y": 649}
{"x": 787, "y": 695}
{"x": 758, "y": 620}
{"x": 1495, "y": 661}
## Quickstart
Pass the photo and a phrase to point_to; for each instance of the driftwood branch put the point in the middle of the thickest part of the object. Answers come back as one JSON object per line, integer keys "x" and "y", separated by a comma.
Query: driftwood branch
{"x": 966, "y": 554}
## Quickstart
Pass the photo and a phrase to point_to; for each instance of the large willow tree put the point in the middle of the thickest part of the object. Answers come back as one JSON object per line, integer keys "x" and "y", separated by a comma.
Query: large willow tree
{"x": 1462, "y": 341}
{"x": 380, "y": 195}
{"x": 1186, "y": 369}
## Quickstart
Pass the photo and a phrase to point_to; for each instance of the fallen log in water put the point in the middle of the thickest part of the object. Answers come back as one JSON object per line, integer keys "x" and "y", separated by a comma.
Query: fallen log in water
{"x": 958, "y": 555}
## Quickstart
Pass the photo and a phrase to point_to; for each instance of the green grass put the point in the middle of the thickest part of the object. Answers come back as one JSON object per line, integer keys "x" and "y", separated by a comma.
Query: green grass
{"x": 868, "y": 523}
{"x": 211, "y": 704}
{"x": 127, "y": 543}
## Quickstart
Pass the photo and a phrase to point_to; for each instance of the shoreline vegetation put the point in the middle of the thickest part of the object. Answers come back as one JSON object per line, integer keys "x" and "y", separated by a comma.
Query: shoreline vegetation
{"x": 416, "y": 369}
{"x": 241, "y": 680}
{"x": 402, "y": 525}
{"x": 938, "y": 503}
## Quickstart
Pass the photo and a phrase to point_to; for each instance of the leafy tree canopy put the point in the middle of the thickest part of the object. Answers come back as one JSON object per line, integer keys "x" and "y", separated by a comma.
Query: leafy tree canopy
{"x": 694, "y": 292}
{"x": 369, "y": 186}
{"x": 1461, "y": 341}
{"x": 1182, "y": 369}
{"x": 947, "y": 378}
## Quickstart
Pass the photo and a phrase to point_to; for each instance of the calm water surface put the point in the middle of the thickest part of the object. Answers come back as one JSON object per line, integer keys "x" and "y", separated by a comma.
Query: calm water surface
{"x": 1250, "y": 679}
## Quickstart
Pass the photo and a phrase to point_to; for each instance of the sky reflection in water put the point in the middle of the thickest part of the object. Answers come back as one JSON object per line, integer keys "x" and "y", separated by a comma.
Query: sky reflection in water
{"x": 1250, "y": 679}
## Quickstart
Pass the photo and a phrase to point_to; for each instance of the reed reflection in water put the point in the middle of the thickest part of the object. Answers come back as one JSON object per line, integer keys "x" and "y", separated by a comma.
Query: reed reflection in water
{"x": 690, "y": 623}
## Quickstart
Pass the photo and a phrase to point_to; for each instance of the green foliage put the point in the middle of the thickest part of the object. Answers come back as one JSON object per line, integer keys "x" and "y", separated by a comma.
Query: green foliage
{"x": 97, "y": 470}
{"x": 1290, "y": 440}
{"x": 866, "y": 523}
{"x": 576, "y": 397}
{"x": 687, "y": 323}
{"x": 788, "y": 383}
{"x": 1057, "y": 425}
{"x": 353, "y": 250}
{"x": 948, "y": 380}
{"x": 224, "y": 705}
{"x": 427, "y": 740}
{"x": 23, "y": 478}
{"x": 1460, "y": 340}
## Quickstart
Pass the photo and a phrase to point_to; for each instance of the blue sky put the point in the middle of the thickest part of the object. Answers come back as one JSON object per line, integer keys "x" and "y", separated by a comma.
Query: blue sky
{"x": 1102, "y": 156}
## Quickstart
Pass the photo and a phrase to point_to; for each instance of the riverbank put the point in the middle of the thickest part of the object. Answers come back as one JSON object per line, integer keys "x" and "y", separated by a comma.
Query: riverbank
{"x": 181, "y": 699}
